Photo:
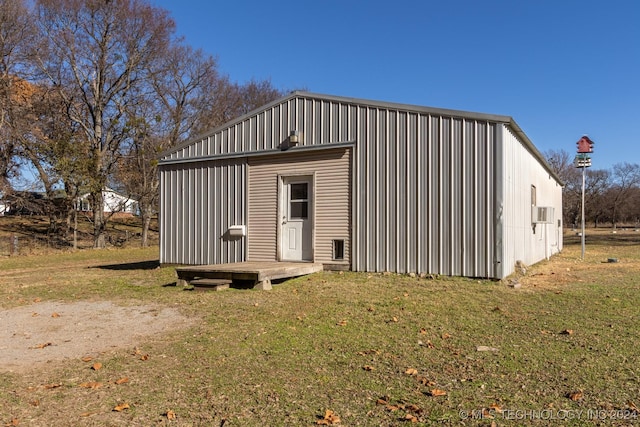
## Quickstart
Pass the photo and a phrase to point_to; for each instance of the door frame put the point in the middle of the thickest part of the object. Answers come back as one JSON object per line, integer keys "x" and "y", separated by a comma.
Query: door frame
{"x": 282, "y": 210}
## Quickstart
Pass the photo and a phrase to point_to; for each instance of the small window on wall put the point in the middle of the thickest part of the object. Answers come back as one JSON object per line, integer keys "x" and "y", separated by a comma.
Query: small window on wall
{"x": 338, "y": 250}
{"x": 533, "y": 196}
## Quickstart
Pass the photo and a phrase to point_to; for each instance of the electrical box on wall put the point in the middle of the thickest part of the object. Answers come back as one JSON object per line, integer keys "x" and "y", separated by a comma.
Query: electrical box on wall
{"x": 237, "y": 230}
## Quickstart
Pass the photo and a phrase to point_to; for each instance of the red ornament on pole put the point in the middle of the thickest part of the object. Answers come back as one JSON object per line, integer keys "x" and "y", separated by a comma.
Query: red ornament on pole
{"x": 585, "y": 145}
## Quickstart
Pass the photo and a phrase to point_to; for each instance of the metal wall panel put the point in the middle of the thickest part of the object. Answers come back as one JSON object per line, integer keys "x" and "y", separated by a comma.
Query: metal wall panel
{"x": 423, "y": 193}
{"x": 331, "y": 171}
{"x": 198, "y": 203}
{"x": 523, "y": 241}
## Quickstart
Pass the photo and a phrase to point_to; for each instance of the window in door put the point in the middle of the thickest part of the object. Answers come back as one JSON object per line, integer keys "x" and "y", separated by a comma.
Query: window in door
{"x": 299, "y": 201}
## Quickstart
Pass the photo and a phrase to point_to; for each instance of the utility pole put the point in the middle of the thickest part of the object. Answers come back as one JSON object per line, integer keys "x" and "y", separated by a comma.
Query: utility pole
{"x": 583, "y": 160}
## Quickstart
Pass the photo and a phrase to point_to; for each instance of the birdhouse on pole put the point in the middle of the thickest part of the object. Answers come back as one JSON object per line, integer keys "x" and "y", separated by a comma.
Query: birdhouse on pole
{"x": 585, "y": 145}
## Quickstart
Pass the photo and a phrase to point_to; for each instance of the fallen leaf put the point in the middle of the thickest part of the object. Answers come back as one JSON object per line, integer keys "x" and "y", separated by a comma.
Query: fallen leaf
{"x": 144, "y": 357}
{"x": 371, "y": 309}
{"x": 37, "y": 300}
{"x": 34, "y": 314}
{"x": 382, "y": 401}
{"x": 342, "y": 323}
{"x": 170, "y": 415}
{"x": 395, "y": 319}
{"x": 425, "y": 381}
{"x": 445, "y": 336}
{"x": 392, "y": 408}
{"x": 121, "y": 407}
{"x": 567, "y": 332}
{"x": 428, "y": 344}
{"x": 43, "y": 345}
{"x": 496, "y": 407}
{"x": 87, "y": 359}
{"x": 55, "y": 315}
{"x": 35, "y": 403}
{"x": 411, "y": 371}
{"x": 88, "y": 414}
{"x": 92, "y": 385}
{"x": 368, "y": 368}
{"x": 437, "y": 392}
{"x": 411, "y": 418}
{"x": 13, "y": 422}
{"x": 122, "y": 380}
{"x": 51, "y": 386}
{"x": 423, "y": 331}
{"x": 576, "y": 395}
{"x": 97, "y": 366}
{"x": 330, "y": 418}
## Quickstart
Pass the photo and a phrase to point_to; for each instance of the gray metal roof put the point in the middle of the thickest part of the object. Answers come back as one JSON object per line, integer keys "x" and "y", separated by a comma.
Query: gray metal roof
{"x": 497, "y": 118}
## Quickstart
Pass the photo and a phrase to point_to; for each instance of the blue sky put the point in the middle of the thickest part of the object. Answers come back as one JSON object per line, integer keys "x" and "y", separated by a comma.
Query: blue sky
{"x": 560, "y": 68}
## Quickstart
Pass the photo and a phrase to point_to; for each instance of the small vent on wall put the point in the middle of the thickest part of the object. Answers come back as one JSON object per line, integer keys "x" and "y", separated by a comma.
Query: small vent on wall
{"x": 542, "y": 215}
{"x": 338, "y": 250}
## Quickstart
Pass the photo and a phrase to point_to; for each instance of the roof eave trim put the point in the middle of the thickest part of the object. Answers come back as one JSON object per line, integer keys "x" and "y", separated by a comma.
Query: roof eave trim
{"x": 532, "y": 148}
{"x": 242, "y": 154}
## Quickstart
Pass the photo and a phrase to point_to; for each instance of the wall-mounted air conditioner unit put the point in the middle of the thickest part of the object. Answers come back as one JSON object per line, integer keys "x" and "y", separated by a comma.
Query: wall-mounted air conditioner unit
{"x": 542, "y": 215}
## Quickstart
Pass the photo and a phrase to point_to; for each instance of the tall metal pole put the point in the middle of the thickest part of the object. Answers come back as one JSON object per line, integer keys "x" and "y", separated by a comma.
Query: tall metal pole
{"x": 582, "y": 234}
{"x": 583, "y": 160}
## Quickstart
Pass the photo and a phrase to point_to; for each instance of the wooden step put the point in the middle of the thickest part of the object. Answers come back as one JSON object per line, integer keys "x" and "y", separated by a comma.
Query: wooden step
{"x": 210, "y": 284}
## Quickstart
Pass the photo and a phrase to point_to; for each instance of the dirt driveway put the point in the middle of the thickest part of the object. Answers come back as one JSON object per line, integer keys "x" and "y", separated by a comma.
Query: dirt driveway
{"x": 53, "y": 331}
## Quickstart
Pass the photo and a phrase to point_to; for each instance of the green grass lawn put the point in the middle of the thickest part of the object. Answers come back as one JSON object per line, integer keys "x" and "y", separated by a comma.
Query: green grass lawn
{"x": 374, "y": 349}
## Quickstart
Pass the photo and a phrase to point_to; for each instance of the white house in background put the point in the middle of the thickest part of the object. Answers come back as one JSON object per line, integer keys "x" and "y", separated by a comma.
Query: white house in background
{"x": 113, "y": 203}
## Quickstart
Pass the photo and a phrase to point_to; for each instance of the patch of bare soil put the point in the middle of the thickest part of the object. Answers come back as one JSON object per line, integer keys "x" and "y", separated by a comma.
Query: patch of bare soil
{"x": 53, "y": 331}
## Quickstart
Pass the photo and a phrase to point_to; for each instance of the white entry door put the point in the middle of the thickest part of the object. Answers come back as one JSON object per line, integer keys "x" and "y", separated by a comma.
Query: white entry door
{"x": 297, "y": 221}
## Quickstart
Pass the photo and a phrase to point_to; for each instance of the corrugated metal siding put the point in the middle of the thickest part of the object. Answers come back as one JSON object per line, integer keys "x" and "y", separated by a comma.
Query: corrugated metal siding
{"x": 331, "y": 170}
{"x": 320, "y": 121}
{"x": 198, "y": 203}
{"x": 520, "y": 173}
{"x": 433, "y": 191}
{"x": 424, "y": 194}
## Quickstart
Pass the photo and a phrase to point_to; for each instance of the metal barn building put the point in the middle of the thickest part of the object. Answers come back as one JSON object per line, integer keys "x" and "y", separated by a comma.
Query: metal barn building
{"x": 361, "y": 185}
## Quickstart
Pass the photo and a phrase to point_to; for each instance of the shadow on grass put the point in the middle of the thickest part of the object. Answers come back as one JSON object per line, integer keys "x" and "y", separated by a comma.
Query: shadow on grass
{"x": 140, "y": 265}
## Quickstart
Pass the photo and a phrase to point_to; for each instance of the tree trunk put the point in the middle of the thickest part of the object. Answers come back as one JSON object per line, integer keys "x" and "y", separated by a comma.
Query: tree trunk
{"x": 99, "y": 221}
{"x": 145, "y": 213}
{"x": 75, "y": 229}
{"x": 146, "y": 221}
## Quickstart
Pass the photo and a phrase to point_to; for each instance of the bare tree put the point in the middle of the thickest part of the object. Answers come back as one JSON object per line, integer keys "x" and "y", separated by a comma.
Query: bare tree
{"x": 16, "y": 39}
{"x": 98, "y": 55}
{"x": 597, "y": 183}
{"x": 626, "y": 178}
{"x": 181, "y": 81}
{"x": 54, "y": 145}
{"x": 228, "y": 101}
{"x": 188, "y": 96}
